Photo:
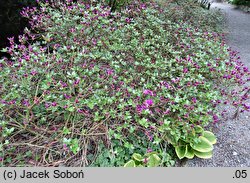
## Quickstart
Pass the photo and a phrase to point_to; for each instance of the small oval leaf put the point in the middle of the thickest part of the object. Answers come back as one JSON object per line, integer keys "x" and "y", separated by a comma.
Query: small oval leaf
{"x": 190, "y": 153}
{"x": 130, "y": 163}
{"x": 204, "y": 155}
{"x": 209, "y": 136}
{"x": 198, "y": 129}
{"x": 137, "y": 157}
{"x": 181, "y": 151}
{"x": 203, "y": 146}
{"x": 154, "y": 161}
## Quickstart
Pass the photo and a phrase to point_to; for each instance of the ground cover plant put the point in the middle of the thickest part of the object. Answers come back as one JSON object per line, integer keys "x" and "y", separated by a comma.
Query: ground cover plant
{"x": 90, "y": 87}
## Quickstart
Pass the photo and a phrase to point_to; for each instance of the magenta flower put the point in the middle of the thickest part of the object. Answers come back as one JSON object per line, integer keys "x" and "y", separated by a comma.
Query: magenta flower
{"x": 245, "y": 69}
{"x": 63, "y": 84}
{"x": 33, "y": 73}
{"x": 148, "y": 92}
{"x": 26, "y": 102}
{"x": 185, "y": 70}
{"x": 194, "y": 100}
{"x": 77, "y": 82}
{"x": 109, "y": 71}
{"x": 47, "y": 105}
{"x": 149, "y": 102}
{"x": 167, "y": 111}
{"x": 215, "y": 118}
{"x": 247, "y": 107}
{"x": 128, "y": 20}
{"x": 140, "y": 108}
{"x": 54, "y": 104}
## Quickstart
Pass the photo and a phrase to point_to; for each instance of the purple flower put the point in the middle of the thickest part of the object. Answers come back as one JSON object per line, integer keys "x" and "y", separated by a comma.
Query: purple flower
{"x": 4, "y": 102}
{"x": 185, "y": 70}
{"x": 140, "y": 108}
{"x": 109, "y": 71}
{"x": 149, "y": 102}
{"x": 143, "y": 6}
{"x": 26, "y": 102}
{"x": 54, "y": 104}
{"x": 194, "y": 100}
{"x": 67, "y": 96}
{"x": 63, "y": 84}
{"x": 215, "y": 118}
{"x": 148, "y": 92}
{"x": 47, "y": 105}
{"x": 247, "y": 107}
{"x": 128, "y": 20}
{"x": 77, "y": 82}
{"x": 12, "y": 102}
{"x": 149, "y": 150}
{"x": 94, "y": 42}
{"x": 72, "y": 30}
{"x": 33, "y": 73}
{"x": 167, "y": 111}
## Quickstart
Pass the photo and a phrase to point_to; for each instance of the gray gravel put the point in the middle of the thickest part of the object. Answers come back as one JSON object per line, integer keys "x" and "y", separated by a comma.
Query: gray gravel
{"x": 233, "y": 135}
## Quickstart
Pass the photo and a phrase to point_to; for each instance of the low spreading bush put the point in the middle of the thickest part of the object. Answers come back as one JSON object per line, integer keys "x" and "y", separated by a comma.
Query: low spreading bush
{"x": 89, "y": 87}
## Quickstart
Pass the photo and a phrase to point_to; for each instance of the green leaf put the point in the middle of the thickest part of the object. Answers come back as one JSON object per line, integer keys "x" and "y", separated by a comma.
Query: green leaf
{"x": 181, "y": 151}
{"x": 144, "y": 122}
{"x": 203, "y": 145}
{"x": 204, "y": 155}
{"x": 209, "y": 136}
{"x": 71, "y": 109}
{"x": 150, "y": 154}
{"x": 154, "y": 161}
{"x": 91, "y": 105}
{"x": 190, "y": 152}
{"x": 170, "y": 138}
{"x": 198, "y": 129}
{"x": 130, "y": 163}
{"x": 137, "y": 157}
{"x": 66, "y": 131}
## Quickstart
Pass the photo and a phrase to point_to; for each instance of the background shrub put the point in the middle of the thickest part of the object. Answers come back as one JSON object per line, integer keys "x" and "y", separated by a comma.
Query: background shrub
{"x": 241, "y": 2}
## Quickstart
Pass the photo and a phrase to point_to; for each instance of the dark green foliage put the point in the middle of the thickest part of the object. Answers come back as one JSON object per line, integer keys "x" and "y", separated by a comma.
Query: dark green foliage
{"x": 241, "y": 2}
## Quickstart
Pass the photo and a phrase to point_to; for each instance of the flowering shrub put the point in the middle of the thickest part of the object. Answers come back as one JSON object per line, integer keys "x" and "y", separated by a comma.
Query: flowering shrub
{"x": 191, "y": 12}
{"x": 130, "y": 80}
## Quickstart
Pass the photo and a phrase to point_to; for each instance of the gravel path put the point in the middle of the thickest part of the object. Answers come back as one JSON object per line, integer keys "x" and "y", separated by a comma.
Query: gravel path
{"x": 233, "y": 135}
